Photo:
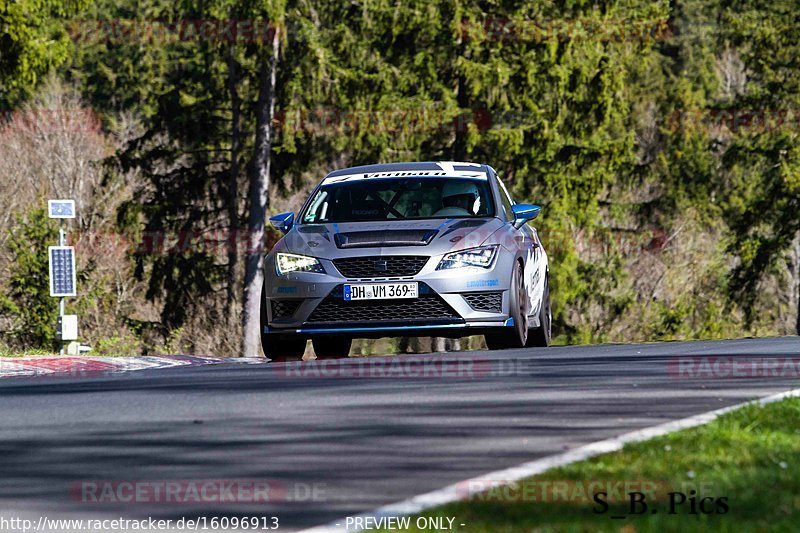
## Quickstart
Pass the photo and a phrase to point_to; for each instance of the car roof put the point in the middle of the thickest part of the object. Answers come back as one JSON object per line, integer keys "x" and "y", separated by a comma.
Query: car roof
{"x": 432, "y": 168}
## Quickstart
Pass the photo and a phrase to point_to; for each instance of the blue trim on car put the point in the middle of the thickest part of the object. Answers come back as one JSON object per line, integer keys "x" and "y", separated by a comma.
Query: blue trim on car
{"x": 379, "y": 329}
{"x": 443, "y": 224}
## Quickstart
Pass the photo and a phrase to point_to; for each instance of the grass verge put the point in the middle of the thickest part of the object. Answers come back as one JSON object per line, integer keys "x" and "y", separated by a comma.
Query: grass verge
{"x": 750, "y": 456}
{"x": 5, "y": 352}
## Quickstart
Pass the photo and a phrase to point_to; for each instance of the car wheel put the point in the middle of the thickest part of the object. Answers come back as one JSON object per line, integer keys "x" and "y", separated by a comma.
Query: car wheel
{"x": 542, "y": 335}
{"x": 332, "y": 347}
{"x": 279, "y": 347}
{"x": 517, "y": 335}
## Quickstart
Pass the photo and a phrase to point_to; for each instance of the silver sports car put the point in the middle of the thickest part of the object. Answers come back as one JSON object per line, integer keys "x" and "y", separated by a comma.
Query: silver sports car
{"x": 405, "y": 249}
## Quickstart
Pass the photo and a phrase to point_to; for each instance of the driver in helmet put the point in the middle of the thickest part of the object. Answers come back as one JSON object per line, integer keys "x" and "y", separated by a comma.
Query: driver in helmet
{"x": 460, "y": 198}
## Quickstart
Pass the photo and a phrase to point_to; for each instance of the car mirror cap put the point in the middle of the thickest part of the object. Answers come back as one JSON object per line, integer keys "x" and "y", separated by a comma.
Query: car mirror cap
{"x": 283, "y": 221}
{"x": 524, "y": 213}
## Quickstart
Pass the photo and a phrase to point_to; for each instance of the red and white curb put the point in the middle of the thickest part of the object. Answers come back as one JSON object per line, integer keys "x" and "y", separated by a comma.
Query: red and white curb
{"x": 68, "y": 366}
{"x": 455, "y": 492}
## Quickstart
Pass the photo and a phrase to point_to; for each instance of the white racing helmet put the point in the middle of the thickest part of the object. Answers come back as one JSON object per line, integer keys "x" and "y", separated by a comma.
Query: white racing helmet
{"x": 463, "y": 188}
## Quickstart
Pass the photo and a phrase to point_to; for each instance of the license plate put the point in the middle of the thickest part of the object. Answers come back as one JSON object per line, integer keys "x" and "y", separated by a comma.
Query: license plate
{"x": 381, "y": 291}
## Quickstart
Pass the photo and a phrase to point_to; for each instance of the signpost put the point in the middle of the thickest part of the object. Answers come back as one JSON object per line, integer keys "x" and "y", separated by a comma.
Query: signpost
{"x": 62, "y": 275}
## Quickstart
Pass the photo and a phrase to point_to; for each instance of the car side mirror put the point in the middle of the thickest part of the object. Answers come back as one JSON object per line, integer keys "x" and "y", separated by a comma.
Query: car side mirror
{"x": 283, "y": 222}
{"x": 524, "y": 213}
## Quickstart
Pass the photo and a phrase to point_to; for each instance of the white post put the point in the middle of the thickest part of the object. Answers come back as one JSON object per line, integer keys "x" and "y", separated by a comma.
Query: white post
{"x": 62, "y": 238}
{"x": 62, "y": 209}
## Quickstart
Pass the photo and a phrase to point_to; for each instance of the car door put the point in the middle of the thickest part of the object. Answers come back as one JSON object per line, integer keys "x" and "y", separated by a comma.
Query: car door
{"x": 527, "y": 239}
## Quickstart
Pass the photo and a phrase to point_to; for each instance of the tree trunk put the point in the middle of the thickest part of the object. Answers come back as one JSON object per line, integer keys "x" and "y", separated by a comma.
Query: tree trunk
{"x": 437, "y": 344}
{"x": 233, "y": 180}
{"x": 794, "y": 270}
{"x": 461, "y": 124}
{"x": 459, "y": 153}
{"x": 259, "y": 202}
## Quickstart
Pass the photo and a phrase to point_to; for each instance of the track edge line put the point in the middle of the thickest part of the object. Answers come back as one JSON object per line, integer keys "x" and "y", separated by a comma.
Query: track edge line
{"x": 452, "y": 493}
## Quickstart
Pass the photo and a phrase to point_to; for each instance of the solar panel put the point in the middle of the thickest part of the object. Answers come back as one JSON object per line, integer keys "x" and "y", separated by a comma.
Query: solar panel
{"x": 61, "y": 208}
{"x": 62, "y": 270}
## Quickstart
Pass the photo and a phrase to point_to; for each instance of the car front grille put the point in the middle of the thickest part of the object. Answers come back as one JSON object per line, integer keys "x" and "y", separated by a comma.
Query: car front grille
{"x": 377, "y": 266}
{"x": 485, "y": 301}
{"x": 284, "y": 308}
{"x": 428, "y": 308}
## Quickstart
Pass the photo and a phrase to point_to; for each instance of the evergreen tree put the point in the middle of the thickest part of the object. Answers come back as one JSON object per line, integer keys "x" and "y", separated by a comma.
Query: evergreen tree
{"x": 33, "y": 41}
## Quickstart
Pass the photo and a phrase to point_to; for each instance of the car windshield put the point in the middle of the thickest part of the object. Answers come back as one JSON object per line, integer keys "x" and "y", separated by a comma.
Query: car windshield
{"x": 407, "y": 198}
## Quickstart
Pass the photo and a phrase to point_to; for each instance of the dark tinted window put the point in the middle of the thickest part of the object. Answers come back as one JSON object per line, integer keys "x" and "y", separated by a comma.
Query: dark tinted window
{"x": 400, "y": 199}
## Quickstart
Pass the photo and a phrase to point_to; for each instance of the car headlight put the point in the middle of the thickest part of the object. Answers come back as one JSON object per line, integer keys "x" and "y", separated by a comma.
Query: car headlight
{"x": 285, "y": 263}
{"x": 474, "y": 257}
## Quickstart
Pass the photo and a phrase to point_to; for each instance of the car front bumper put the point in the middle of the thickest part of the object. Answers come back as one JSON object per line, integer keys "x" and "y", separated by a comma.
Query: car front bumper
{"x": 453, "y": 303}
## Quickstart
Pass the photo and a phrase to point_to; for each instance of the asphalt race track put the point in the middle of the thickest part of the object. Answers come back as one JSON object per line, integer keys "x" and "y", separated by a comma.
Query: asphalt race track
{"x": 351, "y": 435}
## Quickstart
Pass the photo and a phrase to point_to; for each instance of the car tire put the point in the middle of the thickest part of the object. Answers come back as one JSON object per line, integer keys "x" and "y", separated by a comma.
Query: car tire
{"x": 279, "y": 347}
{"x": 332, "y": 347}
{"x": 517, "y": 335}
{"x": 543, "y": 335}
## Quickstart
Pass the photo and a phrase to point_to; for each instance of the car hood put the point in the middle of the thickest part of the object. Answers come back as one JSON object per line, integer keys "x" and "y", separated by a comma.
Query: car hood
{"x": 428, "y": 237}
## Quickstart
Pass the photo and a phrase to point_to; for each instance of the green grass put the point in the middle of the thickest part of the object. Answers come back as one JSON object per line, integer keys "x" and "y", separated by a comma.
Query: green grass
{"x": 7, "y": 352}
{"x": 751, "y": 456}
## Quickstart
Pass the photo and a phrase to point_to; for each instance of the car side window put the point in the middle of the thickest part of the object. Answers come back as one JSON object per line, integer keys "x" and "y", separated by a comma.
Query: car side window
{"x": 505, "y": 199}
